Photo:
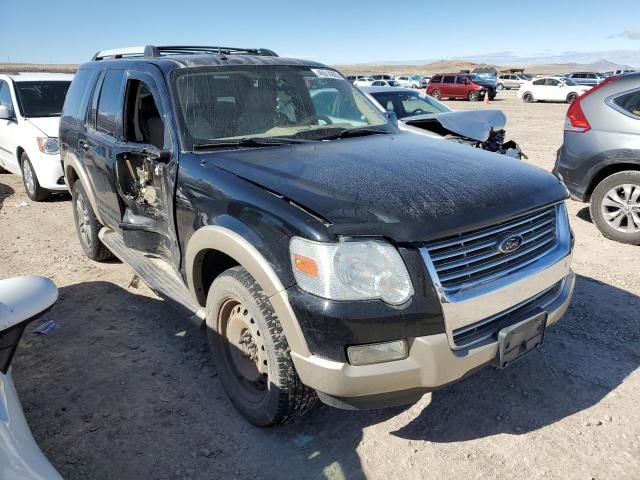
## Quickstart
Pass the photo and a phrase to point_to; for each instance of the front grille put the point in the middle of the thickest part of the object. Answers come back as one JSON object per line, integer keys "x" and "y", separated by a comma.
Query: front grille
{"x": 471, "y": 258}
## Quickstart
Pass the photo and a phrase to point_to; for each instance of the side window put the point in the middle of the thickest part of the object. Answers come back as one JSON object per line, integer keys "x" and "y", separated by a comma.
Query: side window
{"x": 461, "y": 80}
{"x": 448, "y": 79}
{"x": 109, "y": 102}
{"x": 142, "y": 120}
{"x": 5, "y": 96}
{"x": 436, "y": 79}
{"x": 629, "y": 102}
{"x": 552, "y": 82}
{"x": 542, "y": 81}
{"x": 76, "y": 94}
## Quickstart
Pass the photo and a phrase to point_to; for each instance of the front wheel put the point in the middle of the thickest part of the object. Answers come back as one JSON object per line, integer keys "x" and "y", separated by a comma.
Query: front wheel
{"x": 527, "y": 97}
{"x": 436, "y": 94}
{"x": 500, "y": 86}
{"x": 474, "y": 95}
{"x": 615, "y": 207}
{"x": 251, "y": 352}
{"x": 31, "y": 185}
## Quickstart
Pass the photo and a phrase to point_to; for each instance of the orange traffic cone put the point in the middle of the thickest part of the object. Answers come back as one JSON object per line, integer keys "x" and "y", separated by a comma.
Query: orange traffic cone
{"x": 486, "y": 97}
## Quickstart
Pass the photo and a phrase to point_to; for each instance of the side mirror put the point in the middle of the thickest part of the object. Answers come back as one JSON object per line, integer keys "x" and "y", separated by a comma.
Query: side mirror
{"x": 5, "y": 113}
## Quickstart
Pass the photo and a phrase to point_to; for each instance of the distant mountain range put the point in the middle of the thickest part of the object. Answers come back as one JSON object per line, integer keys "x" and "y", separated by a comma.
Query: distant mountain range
{"x": 606, "y": 60}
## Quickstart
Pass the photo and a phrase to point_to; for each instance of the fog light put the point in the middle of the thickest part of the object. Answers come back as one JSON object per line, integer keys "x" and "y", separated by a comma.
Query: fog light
{"x": 377, "y": 352}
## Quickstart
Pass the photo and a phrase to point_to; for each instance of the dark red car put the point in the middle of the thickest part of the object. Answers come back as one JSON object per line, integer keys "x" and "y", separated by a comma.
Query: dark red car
{"x": 459, "y": 85}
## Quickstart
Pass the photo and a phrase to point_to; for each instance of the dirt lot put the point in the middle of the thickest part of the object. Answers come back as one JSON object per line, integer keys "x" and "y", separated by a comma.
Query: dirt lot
{"x": 125, "y": 389}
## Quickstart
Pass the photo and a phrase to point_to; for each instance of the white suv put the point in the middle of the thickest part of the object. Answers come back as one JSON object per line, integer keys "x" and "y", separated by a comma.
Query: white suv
{"x": 30, "y": 107}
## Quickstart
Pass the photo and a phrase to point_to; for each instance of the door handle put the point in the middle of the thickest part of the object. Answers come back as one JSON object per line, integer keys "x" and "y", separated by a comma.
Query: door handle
{"x": 83, "y": 145}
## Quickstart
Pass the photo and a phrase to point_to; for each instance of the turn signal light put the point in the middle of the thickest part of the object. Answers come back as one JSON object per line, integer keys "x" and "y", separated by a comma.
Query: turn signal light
{"x": 306, "y": 265}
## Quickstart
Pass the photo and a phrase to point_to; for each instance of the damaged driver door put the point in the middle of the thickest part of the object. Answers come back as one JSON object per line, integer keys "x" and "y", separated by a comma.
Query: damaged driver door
{"x": 146, "y": 169}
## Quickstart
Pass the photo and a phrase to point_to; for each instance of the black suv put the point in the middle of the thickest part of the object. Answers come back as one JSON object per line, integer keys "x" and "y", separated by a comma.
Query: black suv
{"x": 326, "y": 251}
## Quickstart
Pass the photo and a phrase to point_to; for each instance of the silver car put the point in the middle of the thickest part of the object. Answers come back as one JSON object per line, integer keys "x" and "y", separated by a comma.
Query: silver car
{"x": 509, "y": 81}
{"x": 599, "y": 161}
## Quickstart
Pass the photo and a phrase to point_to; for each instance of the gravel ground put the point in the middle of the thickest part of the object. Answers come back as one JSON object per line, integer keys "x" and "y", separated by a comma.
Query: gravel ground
{"x": 125, "y": 388}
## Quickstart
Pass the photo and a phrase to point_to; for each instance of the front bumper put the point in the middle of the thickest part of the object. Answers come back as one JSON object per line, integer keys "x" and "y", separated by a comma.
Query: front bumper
{"x": 48, "y": 169}
{"x": 431, "y": 364}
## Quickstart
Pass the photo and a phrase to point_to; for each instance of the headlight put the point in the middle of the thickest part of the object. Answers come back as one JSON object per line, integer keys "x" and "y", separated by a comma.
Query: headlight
{"x": 48, "y": 145}
{"x": 351, "y": 270}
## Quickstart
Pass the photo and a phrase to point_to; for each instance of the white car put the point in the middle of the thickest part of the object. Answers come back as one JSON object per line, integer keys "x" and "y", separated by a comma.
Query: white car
{"x": 412, "y": 81}
{"x": 550, "y": 89}
{"x": 30, "y": 107}
{"x": 363, "y": 81}
{"x": 22, "y": 300}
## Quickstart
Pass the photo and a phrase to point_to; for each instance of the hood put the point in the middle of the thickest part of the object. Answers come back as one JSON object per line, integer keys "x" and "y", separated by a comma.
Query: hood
{"x": 47, "y": 125}
{"x": 485, "y": 83}
{"x": 475, "y": 124}
{"x": 402, "y": 186}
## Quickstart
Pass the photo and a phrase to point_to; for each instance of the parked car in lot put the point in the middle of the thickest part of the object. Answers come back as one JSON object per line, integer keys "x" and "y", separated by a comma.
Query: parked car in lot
{"x": 364, "y": 81}
{"x": 585, "y": 78}
{"x": 412, "y": 81}
{"x": 461, "y": 85}
{"x": 30, "y": 106}
{"x": 423, "y": 114}
{"x": 599, "y": 160}
{"x": 328, "y": 252}
{"x": 22, "y": 300}
{"x": 510, "y": 81}
{"x": 384, "y": 83}
{"x": 614, "y": 73}
{"x": 551, "y": 89}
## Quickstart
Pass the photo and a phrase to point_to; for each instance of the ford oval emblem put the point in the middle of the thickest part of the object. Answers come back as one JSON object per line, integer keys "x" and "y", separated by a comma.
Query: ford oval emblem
{"x": 510, "y": 243}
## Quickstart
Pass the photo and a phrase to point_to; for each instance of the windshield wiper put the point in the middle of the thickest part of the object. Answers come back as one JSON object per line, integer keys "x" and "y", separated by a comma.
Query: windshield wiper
{"x": 355, "y": 132}
{"x": 250, "y": 142}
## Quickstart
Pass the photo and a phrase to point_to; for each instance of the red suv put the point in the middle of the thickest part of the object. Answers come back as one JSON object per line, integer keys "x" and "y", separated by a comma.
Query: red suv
{"x": 451, "y": 85}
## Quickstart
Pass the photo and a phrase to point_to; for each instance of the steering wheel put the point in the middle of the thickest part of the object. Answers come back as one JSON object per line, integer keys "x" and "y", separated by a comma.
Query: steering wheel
{"x": 417, "y": 111}
{"x": 309, "y": 120}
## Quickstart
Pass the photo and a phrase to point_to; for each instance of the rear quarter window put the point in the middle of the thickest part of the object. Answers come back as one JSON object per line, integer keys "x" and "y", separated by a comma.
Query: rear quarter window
{"x": 629, "y": 103}
{"x": 110, "y": 102}
{"x": 75, "y": 103}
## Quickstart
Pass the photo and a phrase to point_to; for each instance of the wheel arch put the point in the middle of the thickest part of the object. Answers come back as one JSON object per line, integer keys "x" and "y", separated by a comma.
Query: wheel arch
{"x": 212, "y": 249}
{"x": 609, "y": 170}
{"x": 74, "y": 171}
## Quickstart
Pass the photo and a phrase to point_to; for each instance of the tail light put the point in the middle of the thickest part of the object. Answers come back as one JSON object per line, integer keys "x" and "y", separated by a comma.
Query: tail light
{"x": 576, "y": 121}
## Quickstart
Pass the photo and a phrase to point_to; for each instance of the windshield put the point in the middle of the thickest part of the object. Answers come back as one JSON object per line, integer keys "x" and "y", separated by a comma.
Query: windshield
{"x": 42, "y": 98}
{"x": 258, "y": 101}
{"x": 570, "y": 82}
{"x": 409, "y": 104}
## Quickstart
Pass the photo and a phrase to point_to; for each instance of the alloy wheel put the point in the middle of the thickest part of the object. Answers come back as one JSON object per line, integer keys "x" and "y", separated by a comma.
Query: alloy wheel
{"x": 29, "y": 178}
{"x": 620, "y": 208}
{"x": 82, "y": 219}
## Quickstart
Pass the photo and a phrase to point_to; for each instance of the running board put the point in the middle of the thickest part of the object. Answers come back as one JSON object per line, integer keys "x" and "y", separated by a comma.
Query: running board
{"x": 157, "y": 273}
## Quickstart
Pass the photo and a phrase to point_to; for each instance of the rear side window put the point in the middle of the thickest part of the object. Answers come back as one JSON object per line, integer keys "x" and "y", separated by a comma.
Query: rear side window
{"x": 77, "y": 93}
{"x": 110, "y": 102}
{"x": 542, "y": 81}
{"x": 448, "y": 79}
{"x": 461, "y": 80}
{"x": 436, "y": 79}
{"x": 629, "y": 102}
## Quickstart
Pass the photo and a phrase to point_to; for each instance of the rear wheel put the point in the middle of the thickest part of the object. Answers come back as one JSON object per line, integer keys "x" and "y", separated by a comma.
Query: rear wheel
{"x": 527, "y": 97}
{"x": 436, "y": 94}
{"x": 572, "y": 97}
{"x": 251, "y": 352}
{"x": 31, "y": 185}
{"x": 615, "y": 207}
{"x": 87, "y": 225}
{"x": 473, "y": 95}
{"x": 500, "y": 86}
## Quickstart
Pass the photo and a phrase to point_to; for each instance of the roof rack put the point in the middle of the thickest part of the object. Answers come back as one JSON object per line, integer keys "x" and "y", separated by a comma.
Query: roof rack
{"x": 153, "y": 51}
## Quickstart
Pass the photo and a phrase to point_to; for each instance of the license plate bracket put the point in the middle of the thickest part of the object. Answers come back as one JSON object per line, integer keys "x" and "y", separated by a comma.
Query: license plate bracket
{"x": 518, "y": 339}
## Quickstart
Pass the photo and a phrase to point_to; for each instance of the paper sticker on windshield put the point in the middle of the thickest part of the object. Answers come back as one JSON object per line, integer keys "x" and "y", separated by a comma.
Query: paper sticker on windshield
{"x": 326, "y": 73}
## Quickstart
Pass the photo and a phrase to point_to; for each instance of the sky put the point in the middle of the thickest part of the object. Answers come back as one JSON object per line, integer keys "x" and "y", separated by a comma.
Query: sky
{"x": 333, "y": 32}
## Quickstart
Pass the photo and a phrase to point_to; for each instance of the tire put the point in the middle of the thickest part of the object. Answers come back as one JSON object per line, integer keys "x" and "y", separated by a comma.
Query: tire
{"x": 436, "y": 94}
{"x": 527, "y": 97}
{"x": 619, "y": 192}
{"x": 31, "y": 185}
{"x": 499, "y": 86}
{"x": 571, "y": 97}
{"x": 87, "y": 225}
{"x": 474, "y": 96}
{"x": 257, "y": 373}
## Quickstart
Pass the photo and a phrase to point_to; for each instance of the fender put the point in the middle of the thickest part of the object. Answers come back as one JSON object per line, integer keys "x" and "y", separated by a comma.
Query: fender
{"x": 72, "y": 164}
{"x": 222, "y": 239}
